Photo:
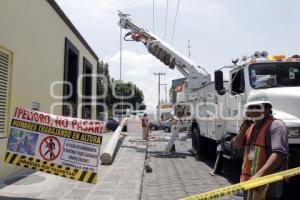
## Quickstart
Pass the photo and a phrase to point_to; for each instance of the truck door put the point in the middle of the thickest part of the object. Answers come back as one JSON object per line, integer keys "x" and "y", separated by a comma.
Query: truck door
{"x": 200, "y": 109}
{"x": 211, "y": 115}
{"x": 236, "y": 100}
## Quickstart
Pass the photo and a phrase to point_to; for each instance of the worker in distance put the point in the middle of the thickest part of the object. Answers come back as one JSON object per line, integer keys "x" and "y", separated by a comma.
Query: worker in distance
{"x": 264, "y": 140}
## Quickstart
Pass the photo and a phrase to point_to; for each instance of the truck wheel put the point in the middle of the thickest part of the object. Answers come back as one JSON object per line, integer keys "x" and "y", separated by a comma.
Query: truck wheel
{"x": 203, "y": 146}
{"x": 196, "y": 140}
{"x": 167, "y": 130}
{"x": 211, "y": 148}
{"x": 294, "y": 161}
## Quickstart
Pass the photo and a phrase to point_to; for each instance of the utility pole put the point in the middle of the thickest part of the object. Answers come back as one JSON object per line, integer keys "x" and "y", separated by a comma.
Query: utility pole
{"x": 164, "y": 84}
{"x": 158, "y": 105}
{"x": 189, "y": 47}
{"x": 121, "y": 49}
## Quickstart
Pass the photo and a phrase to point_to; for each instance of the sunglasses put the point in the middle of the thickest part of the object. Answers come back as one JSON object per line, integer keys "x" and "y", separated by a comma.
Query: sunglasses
{"x": 254, "y": 107}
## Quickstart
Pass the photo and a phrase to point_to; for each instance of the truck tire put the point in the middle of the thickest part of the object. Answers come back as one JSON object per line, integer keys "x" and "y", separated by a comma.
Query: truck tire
{"x": 167, "y": 129}
{"x": 203, "y": 147}
{"x": 294, "y": 161}
{"x": 196, "y": 141}
{"x": 211, "y": 149}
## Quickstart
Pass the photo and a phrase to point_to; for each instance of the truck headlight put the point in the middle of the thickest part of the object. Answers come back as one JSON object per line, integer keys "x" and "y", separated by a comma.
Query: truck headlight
{"x": 294, "y": 131}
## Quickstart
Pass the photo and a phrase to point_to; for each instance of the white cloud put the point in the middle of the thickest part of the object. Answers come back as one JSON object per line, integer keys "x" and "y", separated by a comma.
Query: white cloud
{"x": 139, "y": 64}
{"x": 219, "y": 31}
{"x": 97, "y": 19}
{"x": 100, "y": 9}
{"x": 138, "y": 68}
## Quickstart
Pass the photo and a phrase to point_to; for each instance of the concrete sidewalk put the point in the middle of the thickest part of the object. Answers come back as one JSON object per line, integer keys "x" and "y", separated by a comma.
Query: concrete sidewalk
{"x": 121, "y": 180}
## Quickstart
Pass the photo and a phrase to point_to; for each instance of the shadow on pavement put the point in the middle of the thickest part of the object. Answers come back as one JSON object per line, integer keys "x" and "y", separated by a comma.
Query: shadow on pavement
{"x": 138, "y": 149}
{"x": 231, "y": 171}
{"x": 160, "y": 154}
{"x": 16, "y": 198}
{"x": 18, "y": 178}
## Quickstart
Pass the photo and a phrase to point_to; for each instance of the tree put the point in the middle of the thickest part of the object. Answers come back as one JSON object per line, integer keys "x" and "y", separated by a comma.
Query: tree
{"x": 131, "y": 93}
{"x": 106, "y": 83}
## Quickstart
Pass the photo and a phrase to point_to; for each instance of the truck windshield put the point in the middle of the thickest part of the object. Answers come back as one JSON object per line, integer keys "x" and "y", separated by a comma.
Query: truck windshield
{"x": 268, "y": 75}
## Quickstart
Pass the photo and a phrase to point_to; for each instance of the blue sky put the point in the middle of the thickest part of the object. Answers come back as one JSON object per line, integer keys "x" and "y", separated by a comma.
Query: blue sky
{"x": 219, "y": 30}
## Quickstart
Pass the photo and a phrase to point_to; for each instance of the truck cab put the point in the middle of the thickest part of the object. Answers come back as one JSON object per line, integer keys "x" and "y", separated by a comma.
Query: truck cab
{"x": 276, "y": 79}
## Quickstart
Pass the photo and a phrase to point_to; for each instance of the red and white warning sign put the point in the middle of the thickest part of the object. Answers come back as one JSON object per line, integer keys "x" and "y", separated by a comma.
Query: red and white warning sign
{"x": 49, "y": 143}
{"x": 50, "y": 148}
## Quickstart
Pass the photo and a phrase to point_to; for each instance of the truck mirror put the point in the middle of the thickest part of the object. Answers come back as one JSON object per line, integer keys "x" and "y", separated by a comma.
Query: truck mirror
{"x": 219, "y": 87}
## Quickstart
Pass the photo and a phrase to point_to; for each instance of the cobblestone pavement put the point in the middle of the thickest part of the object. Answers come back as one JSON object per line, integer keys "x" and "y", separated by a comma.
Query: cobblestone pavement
{"x": 180, "y": 175}
{"x": 173, "y": 177}
{"x": 121, "y": 180}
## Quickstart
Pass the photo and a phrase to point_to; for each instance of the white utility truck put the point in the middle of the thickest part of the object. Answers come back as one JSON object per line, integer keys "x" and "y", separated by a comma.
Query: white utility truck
{"x": 214, "y": 110}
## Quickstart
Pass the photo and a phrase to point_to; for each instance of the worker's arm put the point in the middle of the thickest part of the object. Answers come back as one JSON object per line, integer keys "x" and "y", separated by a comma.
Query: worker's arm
{"x": 274, "y": 161}
{"x": 279, "y": 146}
{"x": 239, "y": 140}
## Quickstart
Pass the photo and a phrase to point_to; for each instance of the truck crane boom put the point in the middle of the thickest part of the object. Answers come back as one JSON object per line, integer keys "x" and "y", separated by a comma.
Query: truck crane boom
{"x": 166, "y": 54}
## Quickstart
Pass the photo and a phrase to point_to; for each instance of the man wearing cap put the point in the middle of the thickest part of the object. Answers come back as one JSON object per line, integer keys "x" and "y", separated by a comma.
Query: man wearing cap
{"x": 264, "y": 140}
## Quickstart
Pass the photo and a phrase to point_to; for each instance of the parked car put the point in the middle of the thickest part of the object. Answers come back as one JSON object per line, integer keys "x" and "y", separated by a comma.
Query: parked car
{"x": 154, "y": 126}
{"x": 166, "y": 126}
{"x": 113, "y": 123}
{"x": 138, "y": 113}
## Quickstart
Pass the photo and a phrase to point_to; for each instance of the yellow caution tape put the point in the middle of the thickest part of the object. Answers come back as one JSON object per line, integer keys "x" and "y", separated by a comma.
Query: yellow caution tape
{"x": 220, "y": 192}
{"x": 51, "y": 168}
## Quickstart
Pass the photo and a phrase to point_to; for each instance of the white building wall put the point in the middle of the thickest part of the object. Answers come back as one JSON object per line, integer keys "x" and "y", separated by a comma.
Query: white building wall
{"x": 35, "y": 35}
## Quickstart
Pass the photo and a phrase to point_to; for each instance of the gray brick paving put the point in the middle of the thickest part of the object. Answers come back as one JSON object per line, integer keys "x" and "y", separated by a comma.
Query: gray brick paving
{"x": 173, "y": 177}
{"x": 178, "y": 175}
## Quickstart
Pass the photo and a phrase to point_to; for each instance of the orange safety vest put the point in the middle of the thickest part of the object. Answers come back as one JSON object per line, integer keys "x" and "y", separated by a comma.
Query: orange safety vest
{"x": 250, "y": 167}
{"x": 143, "y": 120}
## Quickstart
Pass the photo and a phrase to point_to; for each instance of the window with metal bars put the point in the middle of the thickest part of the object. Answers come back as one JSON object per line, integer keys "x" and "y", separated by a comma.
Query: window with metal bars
{"x": 5, "y": 61}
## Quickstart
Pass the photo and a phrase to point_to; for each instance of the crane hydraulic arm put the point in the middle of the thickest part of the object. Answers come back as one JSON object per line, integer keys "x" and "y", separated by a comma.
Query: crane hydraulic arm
{"x": 166, "y": 54}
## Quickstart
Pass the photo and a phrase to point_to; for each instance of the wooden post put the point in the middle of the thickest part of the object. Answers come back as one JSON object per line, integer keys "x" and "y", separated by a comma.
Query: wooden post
{"x": 107, "y": 155}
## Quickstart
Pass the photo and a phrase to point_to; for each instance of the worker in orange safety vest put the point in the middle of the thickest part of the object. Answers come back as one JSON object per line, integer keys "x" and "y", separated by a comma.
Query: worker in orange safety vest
{"x": 145, "y": 127}
{"x": 264, "y": 140}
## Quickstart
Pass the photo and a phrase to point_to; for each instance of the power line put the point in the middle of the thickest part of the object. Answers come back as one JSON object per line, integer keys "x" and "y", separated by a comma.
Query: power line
{"x": 173, "y": 32}
{"x": 153, "y": 14}
{"x": 153, "y": 29}
{"x": 121, "y": 49}
{"x": 166, "y": 19}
